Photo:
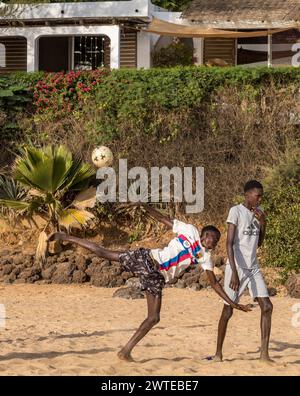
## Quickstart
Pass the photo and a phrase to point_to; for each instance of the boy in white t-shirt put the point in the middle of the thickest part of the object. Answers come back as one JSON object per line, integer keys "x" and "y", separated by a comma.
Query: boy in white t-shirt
{"x": 155, "y": 267}
{"x": 246, "y": 232}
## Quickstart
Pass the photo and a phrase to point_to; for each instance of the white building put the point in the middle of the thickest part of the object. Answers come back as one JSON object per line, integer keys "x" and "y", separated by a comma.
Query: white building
{"x": 66, "y": 36}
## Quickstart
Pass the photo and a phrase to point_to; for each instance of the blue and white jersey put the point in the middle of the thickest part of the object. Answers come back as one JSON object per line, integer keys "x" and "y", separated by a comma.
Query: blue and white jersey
{"x": 182, "y": 251}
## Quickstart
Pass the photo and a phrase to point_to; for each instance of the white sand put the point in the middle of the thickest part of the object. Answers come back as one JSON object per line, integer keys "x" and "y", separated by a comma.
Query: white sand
{"x": 77, "y": 330}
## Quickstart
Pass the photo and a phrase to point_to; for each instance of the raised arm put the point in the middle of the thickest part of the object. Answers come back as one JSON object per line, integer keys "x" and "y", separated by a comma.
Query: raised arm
{"x": 220, "y": 291}
{"x": 157, "y": 215}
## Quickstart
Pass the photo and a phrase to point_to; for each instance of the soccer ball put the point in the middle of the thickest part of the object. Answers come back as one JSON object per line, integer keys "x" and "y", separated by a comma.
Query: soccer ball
{"x": 102, "y": 157}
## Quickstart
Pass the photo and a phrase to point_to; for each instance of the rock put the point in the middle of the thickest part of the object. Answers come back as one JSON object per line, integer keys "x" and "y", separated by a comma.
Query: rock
{"x": 192, "y": 279}
{"x": 6, "y": 261}
{"x": 134, "y": 283}
{"x": 128, "y": 293}
{"x": 180, "y": 284}
{"x": 4, "y": 253}
{"x": 30, "y": 272}
{"x": 272, "y": 291}
{"x": 293, "y": 286}
{"x": 50, "y": 261}
{"x": 9, "y": 278}
{"x": 63, "y": 273}
{"x": 203, "y": 280}
{"x": 101, "y": 280}
{"x": 32, "y": 279}
{"x": 195, "y": 287}
{"x": 79, "y": 276}
{"x": 18, "y": 260}
{"x": 7, "y": 269}
{"x": 20, "y": 280}
{"x": 16, "y": 271}
{"x": 126, "y": 275}
{"x": 47, "y": 273}
{"x": 42, "y": 282}
{"x": 81, "y": 263}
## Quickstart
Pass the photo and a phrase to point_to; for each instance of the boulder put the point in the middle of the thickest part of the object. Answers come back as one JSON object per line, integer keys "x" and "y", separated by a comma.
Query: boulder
{"x": 180, "y": 284}
{"x": 293, "y": 285}
{"x": 192, "y": 280}
{"x": 18, "y": 260}
{"x": 63, "y": 273}
{"x": 48, "y": 272}
{"x": 7, "y": 269}
{"x": 126, "y": 275}
{"x": 30, "y": 272}
{"x": 134, "y": 283}
{"x": 79, "y": 276}
{"x": 81, "y": 263}
{"x": 203, "y": 280}
{"x": 4, "y": 253}
{"x": 128, "y": 293}
{"x": 195, "y": 287}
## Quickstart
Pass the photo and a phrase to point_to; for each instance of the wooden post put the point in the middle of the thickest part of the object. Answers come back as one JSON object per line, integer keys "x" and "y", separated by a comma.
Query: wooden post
{"x": 270, "y": 50}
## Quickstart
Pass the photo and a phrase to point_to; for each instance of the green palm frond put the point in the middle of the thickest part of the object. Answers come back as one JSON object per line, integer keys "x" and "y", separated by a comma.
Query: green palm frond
{"x": 51, "y": 169}
{"x": 21, "y": 206}
{"x": 10, "y": 189}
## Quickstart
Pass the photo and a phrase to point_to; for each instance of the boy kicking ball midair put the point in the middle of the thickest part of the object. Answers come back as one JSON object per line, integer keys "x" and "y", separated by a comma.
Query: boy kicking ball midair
{"x": 155, "y": 267}
{"x": 246, "y": 232}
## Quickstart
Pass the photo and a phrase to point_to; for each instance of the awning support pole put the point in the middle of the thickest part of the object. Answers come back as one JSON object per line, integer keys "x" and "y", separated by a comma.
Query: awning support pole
{"x": 270, "y": 60}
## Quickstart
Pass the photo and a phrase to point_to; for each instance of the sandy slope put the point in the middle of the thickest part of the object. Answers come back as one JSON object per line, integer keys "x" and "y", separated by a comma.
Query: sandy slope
{"x": 76, "y": 330}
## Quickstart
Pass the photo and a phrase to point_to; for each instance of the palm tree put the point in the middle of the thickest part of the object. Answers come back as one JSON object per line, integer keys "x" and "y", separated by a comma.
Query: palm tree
{"x": 52, "y": 176}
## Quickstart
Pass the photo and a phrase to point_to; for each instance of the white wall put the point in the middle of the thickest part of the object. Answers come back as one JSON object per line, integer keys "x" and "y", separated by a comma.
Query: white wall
{"x": 33, "y": 33}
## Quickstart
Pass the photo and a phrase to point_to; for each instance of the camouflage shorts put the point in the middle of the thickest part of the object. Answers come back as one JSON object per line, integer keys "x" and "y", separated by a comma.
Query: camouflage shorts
{"x": 140, "y": 263}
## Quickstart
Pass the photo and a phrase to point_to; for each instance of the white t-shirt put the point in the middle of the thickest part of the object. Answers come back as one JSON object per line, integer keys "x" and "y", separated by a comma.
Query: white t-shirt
{"x": 246, "y": 236}
{"x": 182, "y": 251}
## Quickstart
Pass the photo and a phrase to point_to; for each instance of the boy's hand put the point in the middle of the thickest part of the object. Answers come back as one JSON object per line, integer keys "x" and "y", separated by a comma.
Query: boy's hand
{"x": 261, "y": 216}
{"x": 56, "y": 236}
{"x": 235, "y": 282}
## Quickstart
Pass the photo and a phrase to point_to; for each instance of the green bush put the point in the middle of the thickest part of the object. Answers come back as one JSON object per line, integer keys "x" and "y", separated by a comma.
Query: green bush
{"x": 282, "y": 203}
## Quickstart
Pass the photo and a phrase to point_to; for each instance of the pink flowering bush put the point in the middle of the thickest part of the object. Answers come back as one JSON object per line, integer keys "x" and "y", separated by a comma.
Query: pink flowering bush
{"x": 62, "y": 92}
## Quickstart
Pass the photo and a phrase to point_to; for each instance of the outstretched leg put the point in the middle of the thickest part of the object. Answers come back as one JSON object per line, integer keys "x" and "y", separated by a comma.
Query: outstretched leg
{"x": 265, "y": 324}
{"x": 111, "y": 255}
{"x": 223, "y": 322}
{"x": 154, "y": 306}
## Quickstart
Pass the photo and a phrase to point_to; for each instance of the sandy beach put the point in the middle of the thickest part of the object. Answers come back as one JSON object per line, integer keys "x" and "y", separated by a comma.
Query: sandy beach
{"x": 77, "y": 330}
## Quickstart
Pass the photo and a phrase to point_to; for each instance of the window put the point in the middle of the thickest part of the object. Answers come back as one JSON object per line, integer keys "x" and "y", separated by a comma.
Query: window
{"x": 88, "y": 52}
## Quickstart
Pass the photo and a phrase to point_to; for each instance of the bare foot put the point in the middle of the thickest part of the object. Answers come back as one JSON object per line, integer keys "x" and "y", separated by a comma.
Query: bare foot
{"x": 216, "y": 358}
{"x": 125, "y": 356}
{"x": 267, "y": 360}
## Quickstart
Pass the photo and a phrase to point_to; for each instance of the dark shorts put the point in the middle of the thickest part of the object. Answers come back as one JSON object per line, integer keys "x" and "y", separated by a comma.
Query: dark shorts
{"x": 141, "y": 264}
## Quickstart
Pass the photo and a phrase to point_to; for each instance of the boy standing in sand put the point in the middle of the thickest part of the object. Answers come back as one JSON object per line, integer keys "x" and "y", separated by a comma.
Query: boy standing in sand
{"x": 246, "y": 232}
{"x": 155, "y": 267}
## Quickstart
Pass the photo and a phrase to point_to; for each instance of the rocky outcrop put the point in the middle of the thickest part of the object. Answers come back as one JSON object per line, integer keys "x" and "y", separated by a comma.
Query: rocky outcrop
{"x": 70, "y": 267}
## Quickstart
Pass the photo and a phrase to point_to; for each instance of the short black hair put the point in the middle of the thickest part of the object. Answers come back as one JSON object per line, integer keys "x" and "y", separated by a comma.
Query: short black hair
{"x": 210, "y": 228}
{"x": 252, "y": 184}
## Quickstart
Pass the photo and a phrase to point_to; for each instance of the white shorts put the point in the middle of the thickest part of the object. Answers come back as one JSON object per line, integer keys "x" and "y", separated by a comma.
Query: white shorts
{"x": 249, "y": 277}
